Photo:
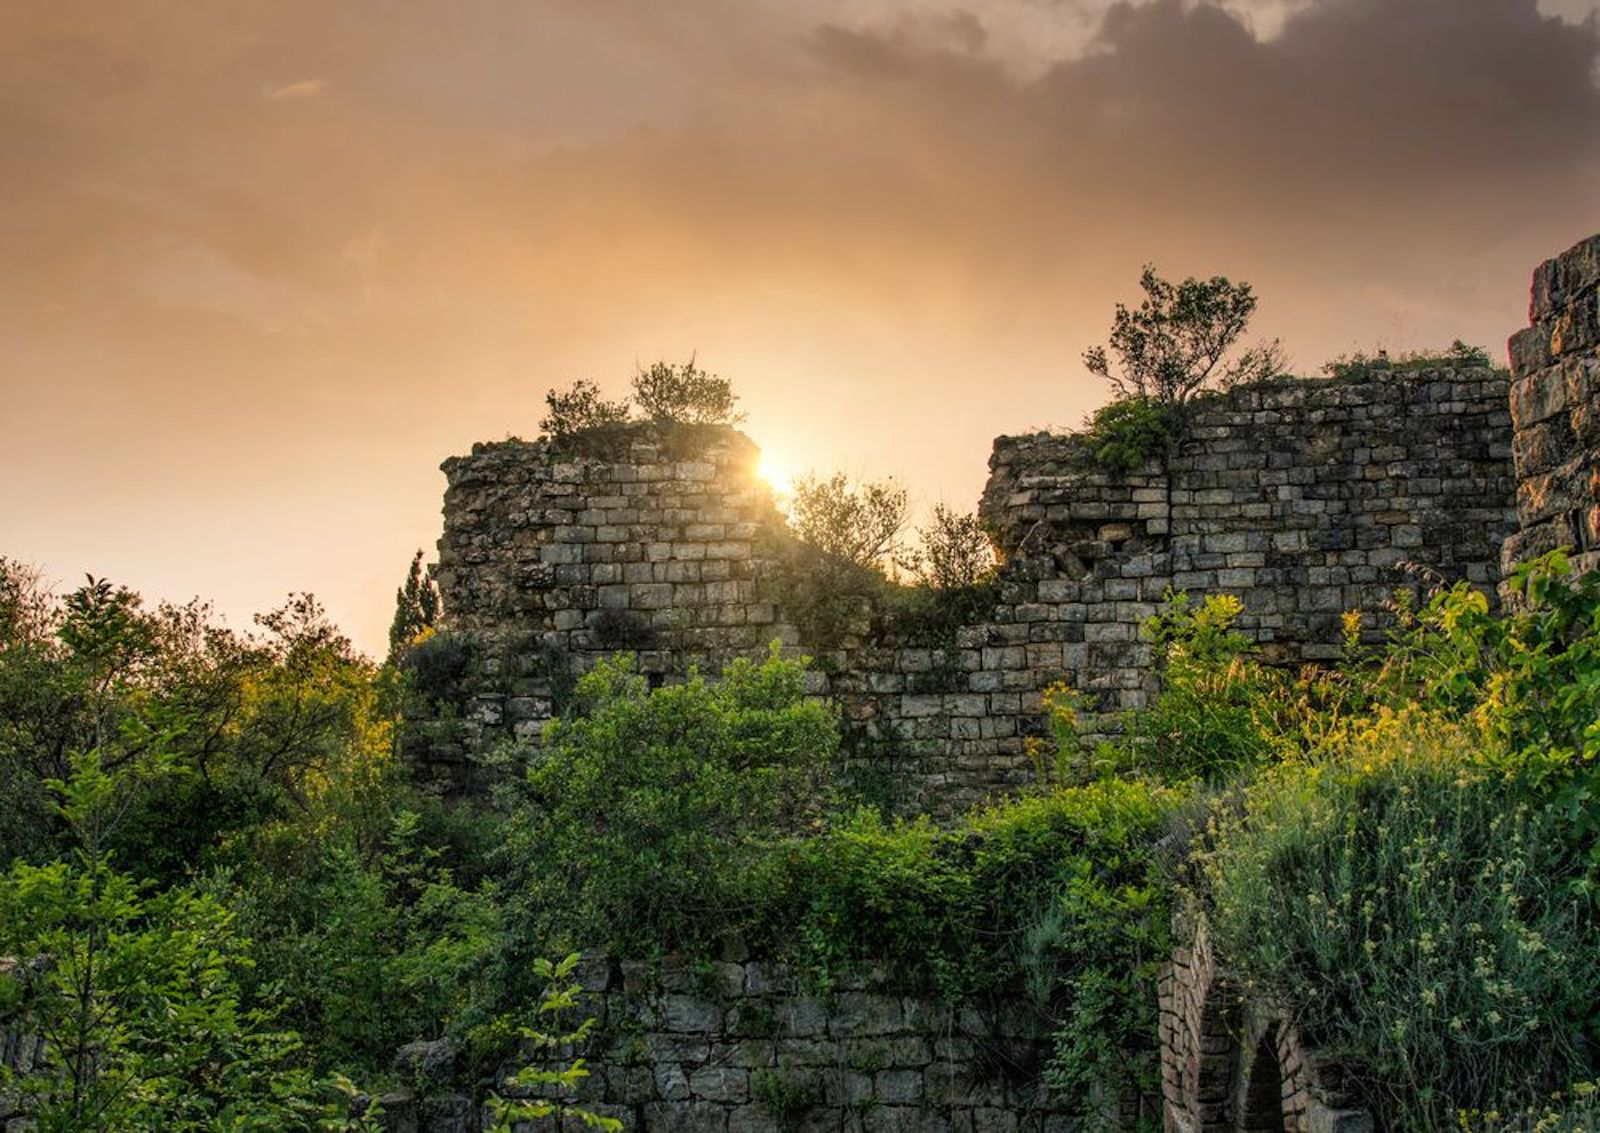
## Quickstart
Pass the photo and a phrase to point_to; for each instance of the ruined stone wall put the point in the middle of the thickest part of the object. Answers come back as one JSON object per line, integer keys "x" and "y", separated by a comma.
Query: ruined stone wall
{"x": 552, "y": 559}
{"x": 1555, "y": 407}
{"x": 743, "y": 1048}
{"x": 1306, "y": 498}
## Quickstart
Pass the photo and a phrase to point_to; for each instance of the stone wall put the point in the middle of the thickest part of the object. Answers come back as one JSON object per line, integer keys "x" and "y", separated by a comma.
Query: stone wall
{"x": 21, "y": 1053}
{"x": 743, "y": 1048}
{"x": 551, "y": 560}
{"x": 1306, "y": 498}
{"x": 1555, "y": 408}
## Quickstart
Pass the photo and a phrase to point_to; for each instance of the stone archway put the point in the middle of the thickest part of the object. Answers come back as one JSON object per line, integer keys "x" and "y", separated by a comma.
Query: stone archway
{"x": 1232, "y": 1066}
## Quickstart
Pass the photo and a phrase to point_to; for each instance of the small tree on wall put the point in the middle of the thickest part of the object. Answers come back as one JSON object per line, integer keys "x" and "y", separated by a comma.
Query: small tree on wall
{"x": 579, "y": 408}
{"x": 684, "y": 394}
{"x": 1179, "y": 340}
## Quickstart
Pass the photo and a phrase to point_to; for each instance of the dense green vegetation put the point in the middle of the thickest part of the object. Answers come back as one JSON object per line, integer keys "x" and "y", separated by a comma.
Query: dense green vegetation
{"x": 223, "y": 895}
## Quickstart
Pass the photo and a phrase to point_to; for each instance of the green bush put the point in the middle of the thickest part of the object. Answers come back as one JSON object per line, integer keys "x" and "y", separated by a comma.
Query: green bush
{"x": 1413, "y": 914}
{"x": 1063, "y": 892}
{"x": 638, "y": 816}
{"x": 1459, "y": 356}
{"x": 368, "y": 950}
{"x": 1220, "y": 710}
{"x": 1219, "y": 713}
{"x": 1124, "y": 434}
{"x": 551, "y": 1076}
{"x": 1530, "y": 675}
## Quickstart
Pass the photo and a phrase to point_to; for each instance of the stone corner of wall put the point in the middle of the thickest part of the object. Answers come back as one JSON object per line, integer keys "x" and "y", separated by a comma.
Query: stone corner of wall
{"x": 1564, "y": 277}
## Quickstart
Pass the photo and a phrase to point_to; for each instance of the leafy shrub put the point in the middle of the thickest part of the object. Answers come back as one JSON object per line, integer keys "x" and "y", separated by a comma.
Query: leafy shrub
{"x": 579, "y": 410}
{"x": 1415, "y": 919}
{"x": 1220, "y": 711}
{"x": 1459, "y": 356}
{"x": 684, "y": 394}
{"x": 370, "y": 950}
{"x": 551, "y": 1072}
{"x": 137, "y": 995}
{"x": 1124, "y": 434}
{"x": 859, "y": 524}
{"x": 953, "y": 552}
{"x": 638, "y": 816}
{"x": 1213, "y": 714}
{"x": 436, "y": 667}
{"x": 1063, "y": 890}
{"x": 1529, "y": 675}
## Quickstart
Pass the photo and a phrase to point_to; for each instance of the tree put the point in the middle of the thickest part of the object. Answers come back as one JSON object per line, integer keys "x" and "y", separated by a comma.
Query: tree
{"x": 136, "y": 995}
{"x": 1179, "y": 340}
{"x": 416, "y": 606}
{"x": 955, "y": 551}
{"x": 684, "y": 394}
{"x": 646, "y": 805}
{"x": 860, "y": 523}
{"x": 579, "y": 409}
{"x": 220, "y": 730}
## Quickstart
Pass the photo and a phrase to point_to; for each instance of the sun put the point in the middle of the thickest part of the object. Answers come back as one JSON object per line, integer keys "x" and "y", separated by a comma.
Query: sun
{"x": 777, "y": 473}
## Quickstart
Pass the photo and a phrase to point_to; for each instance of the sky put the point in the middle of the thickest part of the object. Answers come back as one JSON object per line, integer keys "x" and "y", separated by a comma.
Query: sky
{"x": 264, "y": 266}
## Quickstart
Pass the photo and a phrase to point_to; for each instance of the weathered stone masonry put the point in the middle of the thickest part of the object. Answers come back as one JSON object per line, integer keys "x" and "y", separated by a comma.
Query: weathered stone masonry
{"x": 744, "y": 1047}
{"x": 1305, "y": 498}
{"x": 1229, "y": 1065}
{"x": 1555, "y": 406}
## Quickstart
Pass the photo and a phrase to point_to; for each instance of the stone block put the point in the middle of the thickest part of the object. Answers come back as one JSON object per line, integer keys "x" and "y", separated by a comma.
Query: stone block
{"x": 561, "y": 553}
{"x": 652, "y": 596}
{"x": 1539, "y": 396}
{"x": 686, "y": 1014}
{"x": 720, "y": 1084}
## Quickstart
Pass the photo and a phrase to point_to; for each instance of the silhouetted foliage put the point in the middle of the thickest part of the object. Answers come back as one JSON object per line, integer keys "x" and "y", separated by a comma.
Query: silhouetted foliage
{"x": 1125, "y": 433}
{"x": 1179, "y": 340}
{"x": 860, "y": 523}
{"x": 1459, "y": 356}
{"x": 953, "y": 551}
{"x": 416, "y": 608}
{"x": 578, "y": 409}
{"x": 684, "y": 394}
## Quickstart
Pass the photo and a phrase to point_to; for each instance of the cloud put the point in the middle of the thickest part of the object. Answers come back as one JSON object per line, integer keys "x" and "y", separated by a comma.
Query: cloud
{"x": 293, "y": 92}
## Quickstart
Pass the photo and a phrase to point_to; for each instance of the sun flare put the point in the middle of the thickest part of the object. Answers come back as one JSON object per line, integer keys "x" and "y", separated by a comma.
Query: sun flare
{"x": 777, "y": 473}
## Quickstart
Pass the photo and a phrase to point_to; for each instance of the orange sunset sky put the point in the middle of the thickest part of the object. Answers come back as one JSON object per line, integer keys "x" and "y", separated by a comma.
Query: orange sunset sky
{"x": 264, "y": 265}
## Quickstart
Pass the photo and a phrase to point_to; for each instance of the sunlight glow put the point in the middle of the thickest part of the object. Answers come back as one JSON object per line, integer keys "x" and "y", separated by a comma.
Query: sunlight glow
{"x": 777, "y": 473}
